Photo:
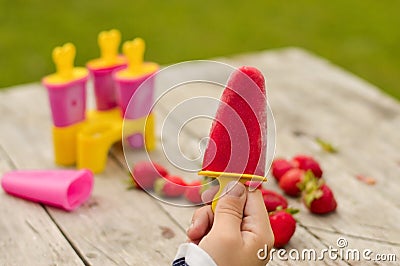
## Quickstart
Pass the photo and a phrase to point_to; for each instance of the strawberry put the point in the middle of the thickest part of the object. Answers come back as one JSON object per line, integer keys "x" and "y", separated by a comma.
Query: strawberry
{"x": 318, "y": 197}
{"x": 170, "y": 186}
{"x": 193, "y": 192}
{"x": 283, "y": 226}
{"x": 273, "y": 200}
{"x": 290, "y": 181}
{"x": 161, "y": 170}
{"x": 280, "y": 167}
{"x": 305, "y": 163}
{"x": 145, "y": 173}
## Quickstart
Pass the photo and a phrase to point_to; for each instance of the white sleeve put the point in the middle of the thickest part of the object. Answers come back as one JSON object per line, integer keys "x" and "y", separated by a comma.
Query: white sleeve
{"x": 193, "y": 256}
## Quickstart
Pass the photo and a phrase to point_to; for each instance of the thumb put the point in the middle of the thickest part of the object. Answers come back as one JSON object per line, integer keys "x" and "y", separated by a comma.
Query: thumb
{"x": 229, "y": 210}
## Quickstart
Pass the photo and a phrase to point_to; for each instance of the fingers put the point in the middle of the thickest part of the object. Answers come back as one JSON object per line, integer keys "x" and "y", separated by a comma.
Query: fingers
{"x": 209, "y": 194}
{"x": 255, "y": 206}
{"x": 256, "y": 219}
{"x": 229, "y": 211}
{"x": 202, "y": 221}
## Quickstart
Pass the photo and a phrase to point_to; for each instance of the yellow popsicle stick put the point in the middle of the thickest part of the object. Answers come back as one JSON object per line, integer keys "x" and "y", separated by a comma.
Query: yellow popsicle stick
{"x": 134, "y": 52}
{"x": 63, "y": 57}
{"x": 109, "y": 42}
{"x": 225, "y": 177}
{"x": 236, "y": 175}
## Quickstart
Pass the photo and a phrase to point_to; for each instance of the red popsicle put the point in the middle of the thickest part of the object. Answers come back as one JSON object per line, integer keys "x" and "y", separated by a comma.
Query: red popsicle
{"x": 237, "y": 144}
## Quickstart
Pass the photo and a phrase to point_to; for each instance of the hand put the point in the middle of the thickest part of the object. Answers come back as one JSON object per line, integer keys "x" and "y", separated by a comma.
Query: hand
{"x": 238, "y": 228}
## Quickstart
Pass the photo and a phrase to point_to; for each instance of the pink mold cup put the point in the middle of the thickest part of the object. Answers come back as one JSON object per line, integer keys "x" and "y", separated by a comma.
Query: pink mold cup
{"x": 104, "y": 87}
{"x": 66, "y": 189}
{"x": 67, "y": 101}
{"x": 138, "y": 93}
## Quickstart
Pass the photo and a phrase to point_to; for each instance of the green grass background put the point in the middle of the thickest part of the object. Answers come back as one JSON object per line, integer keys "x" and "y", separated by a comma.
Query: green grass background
{"x": 362, "y": 36}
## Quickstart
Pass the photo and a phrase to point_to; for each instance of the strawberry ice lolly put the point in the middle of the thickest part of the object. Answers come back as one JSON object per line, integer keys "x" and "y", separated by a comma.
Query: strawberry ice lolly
{"x": 237, "y": 142}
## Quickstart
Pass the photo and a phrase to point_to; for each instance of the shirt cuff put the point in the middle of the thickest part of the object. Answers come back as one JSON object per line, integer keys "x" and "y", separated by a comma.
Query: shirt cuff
{"x": 194, "y": 255}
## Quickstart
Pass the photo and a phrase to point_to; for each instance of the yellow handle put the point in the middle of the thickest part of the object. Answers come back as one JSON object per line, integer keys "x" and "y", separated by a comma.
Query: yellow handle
{"x": 134, "y": 51}
{"x": 225, "y": 177}
{"x": 109, "y": 42}
{"x": 63, "y": 57}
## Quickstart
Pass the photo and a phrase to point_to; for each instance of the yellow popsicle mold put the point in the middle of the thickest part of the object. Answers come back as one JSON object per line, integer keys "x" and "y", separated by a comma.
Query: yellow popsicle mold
{"x": 94, "y": 142}
{"x": 225, "y": 177}
{"x": 137, "y": 125}
{"x": 87, "y": 144}
{"x": 63, "y": 58}
{"x": 64, "y": 143}
{"x": 134, "y": 52}
{"x": 108, "y": 42}
{"x": 149, "y": 134}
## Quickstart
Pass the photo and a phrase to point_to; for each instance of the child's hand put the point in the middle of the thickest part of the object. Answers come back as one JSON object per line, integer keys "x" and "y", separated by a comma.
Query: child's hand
{"x": 237, "y": 230}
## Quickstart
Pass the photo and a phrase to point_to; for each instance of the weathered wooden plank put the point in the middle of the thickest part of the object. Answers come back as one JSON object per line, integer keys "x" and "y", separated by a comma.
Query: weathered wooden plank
{"x": 116, "y": 226}
{"x": 27, "y": 233}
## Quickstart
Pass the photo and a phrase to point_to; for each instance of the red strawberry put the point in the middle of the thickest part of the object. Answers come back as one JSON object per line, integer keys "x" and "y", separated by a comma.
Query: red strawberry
{"x": 170, "y": 186}
{"x": 160, "y": 169}
{"x": 283, "y": 226}
{"x": 305, "y": 163}
{"x": 193, "y": 192}
{"x": 318, "y": 197}
{"x": 273, "y": 200}
{"x": 280, "y": 167}
{"x": 146, "y": 172}
{"x": 290, "y": 181}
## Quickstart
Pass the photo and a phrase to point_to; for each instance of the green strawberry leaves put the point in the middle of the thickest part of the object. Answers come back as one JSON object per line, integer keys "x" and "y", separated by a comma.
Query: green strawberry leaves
{"x": 310, "y": 186}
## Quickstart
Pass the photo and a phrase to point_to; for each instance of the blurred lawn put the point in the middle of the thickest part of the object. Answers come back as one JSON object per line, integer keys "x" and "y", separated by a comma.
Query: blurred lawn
{"x": 361, "y": 36}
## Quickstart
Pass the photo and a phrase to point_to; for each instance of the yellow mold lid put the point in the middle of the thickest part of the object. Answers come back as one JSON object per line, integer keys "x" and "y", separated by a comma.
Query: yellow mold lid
{"x": 134, "y": 52}
{"x": 108, "y": 42}
{"x": 63, "y": 58}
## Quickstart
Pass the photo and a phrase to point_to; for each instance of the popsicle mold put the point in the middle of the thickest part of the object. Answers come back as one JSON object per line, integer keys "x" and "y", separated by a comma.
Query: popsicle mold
{"x": 87, "y": 144}
{"x": 130, "y": 79}
{"x": 141, "y": 103}
{"x": 94, "y": 142}
{"x": 236, "y": 150}
{"x": 84, "y": 137}
{"x": 66, "y": 88}
{"x": 102, "y": 69}
{"x": 140, "y": 131}
{"x": 65, "y": 143}
{"x": 66, "y": 189}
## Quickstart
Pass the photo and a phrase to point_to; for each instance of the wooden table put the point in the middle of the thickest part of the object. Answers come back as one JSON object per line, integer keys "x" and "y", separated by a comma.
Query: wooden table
{"x": 309, "y": 97}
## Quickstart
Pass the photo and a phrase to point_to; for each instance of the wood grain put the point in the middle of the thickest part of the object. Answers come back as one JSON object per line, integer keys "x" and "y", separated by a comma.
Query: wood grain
{"x": 27, "y": 233}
